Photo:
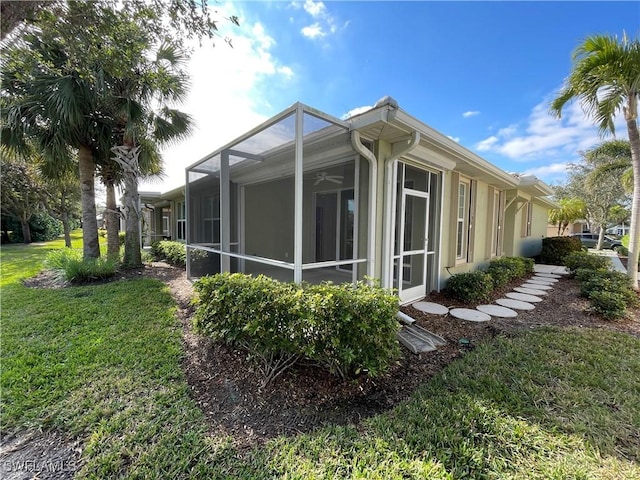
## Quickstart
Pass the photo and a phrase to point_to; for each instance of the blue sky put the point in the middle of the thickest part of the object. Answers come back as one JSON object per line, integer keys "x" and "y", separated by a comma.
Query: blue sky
{"x": 482, "y": 73}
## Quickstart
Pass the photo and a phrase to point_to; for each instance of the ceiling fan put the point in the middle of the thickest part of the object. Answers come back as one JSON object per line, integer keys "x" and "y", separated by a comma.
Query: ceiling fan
{"x": 324, "y": 176}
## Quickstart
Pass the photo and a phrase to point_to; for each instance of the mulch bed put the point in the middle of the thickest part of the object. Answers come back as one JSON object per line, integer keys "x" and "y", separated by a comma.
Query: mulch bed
{"x": 227, "y": 388}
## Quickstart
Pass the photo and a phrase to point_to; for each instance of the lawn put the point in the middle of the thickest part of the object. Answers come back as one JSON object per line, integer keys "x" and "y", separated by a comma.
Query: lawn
{"x": 102, "y": 364}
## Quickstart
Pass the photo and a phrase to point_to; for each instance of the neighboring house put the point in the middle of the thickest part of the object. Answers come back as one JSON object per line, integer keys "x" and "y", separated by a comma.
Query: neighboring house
{"x": 308, "y": 197}
{"x": 579, "y": 226}
{"x": 620, "y": 229}
{"x": 163, "y": 216}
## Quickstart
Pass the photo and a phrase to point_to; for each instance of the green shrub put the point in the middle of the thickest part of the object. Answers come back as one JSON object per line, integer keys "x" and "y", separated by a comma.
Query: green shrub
{"x": 43, "y": 228}
{"x": 173, "y": 252}
{"x": 611, "y": 305}
{"x": 607, "y": 281}
{"x": 349, "y": 329}
{"x": 504, "y": 270}
{"x": 585, "y": 260}
{"x": 77, "y": 270}
{"x": 555, "y": 249}
{"x": 472, "y": 287}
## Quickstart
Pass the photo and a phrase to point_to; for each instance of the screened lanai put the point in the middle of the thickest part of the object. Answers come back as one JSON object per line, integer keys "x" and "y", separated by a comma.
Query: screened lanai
{"x": 288, "y": 199}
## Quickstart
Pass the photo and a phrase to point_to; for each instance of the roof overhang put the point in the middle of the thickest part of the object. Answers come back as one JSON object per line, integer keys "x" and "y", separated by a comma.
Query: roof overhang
{"x": 391, "y": 124}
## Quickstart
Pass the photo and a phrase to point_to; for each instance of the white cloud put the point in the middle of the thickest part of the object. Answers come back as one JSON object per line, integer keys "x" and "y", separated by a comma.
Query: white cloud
{"x": 313, "y": 31}
{"x": 225, "y": 99}
{"x": 356, "y": 111}
{"x": 455, "y": 139}
{"x": 548, "y": 170}
{"x": 487, "y": 144}
{"x": 315, "y": 9}
{"x": 470, "y": 113}
{"x": 544, "y": 136}
{"x": 323, "y": 22}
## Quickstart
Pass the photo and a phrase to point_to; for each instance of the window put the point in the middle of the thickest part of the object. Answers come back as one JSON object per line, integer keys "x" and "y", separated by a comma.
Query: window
{"x": 527, "y": 213}
{"x": 181, "y": 221}
{"x": 463, "y": 220}
{"x": 495, "y": 222}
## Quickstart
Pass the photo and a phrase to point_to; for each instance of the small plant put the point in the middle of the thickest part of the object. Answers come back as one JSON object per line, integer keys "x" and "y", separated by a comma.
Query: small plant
{"x": 577, "y": 260}
{"x": 472, "y": 287}
{"x": 611, "y": 305}
{"x": 173, "y": 252}
{"x": 77, "y": 270}
{"x": 555, "y": 249}
{"x": 504, "y": 270}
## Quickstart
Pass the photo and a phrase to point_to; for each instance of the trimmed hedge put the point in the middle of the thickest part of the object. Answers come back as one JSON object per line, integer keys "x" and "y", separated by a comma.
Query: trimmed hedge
{"x": 504, "y": 270}
{"x": 472, "y": 287}
{"x": 609, "y": 292}
{"x": 555, "y": 249}
{"x": 585, "y": 260}
{"x": 174, "y": 253}
{"x": 348, "y": 329}
{"x": 477, "y": 286}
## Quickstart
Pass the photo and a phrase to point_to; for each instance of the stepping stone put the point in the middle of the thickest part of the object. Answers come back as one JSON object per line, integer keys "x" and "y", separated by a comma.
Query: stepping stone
{"x": 430, "y": 307}
{"x": 548, "y": 275}
{"x": 536, "y": 286}
{"x": 544, "y": 279}
{"x": 539, "y": 282}
{"x": 529, "y": 291}
{"x": 470, "y": 315}
{"x": 497, "y": 311}
{"x": 523, "y": 297}
{"x": 555, "y": 269}
{"x": 515, "y": 304}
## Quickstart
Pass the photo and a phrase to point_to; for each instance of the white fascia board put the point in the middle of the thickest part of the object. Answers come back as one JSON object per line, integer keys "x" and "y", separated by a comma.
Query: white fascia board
{"x": 534, "y": 186}
{"x": 370, "y": 117}
{"x": 401, "y": 118}
{"x": 424, "y": 155}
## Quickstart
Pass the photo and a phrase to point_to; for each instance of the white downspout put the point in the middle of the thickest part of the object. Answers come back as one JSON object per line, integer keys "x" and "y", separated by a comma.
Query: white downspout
{"x": 398, "y": 149}
{"x": 356, "y": 142}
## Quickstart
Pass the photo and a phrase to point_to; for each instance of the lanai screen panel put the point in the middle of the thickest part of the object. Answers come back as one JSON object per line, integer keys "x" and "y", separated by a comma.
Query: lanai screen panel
{"x": 334, "y": 203}
{"x": 267, "y": 189}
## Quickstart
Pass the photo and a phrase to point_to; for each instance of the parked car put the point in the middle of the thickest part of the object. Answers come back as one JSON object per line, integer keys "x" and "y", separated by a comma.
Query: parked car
{"x": 590, "y": 240}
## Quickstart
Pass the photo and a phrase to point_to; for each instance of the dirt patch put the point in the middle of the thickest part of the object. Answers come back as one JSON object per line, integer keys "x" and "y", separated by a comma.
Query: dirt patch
{"x": 39, "y": 455}
{"x": 227, "y": 389}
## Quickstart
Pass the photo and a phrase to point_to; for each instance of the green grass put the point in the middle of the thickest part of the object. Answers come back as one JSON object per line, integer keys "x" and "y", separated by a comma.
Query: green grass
{"x": 102, "y": 363}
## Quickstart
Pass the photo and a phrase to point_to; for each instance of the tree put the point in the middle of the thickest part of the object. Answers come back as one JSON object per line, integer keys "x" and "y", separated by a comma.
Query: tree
{"x": 145, "y": 120}
{"x": 571, "y": 209}
{"x": 59, "y": 78}
{"x": 61, "y": 199}
{"x": 605, "y": 78}
{"x": 20, "y": 190}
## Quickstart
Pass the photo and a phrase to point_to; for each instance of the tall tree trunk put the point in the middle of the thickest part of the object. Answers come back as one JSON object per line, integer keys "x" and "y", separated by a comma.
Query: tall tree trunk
{"x": 112, "y": 218}
{"x": 86, "y": 166}
{"x": 634, "y": 230}
{"x": 26, "y": 230}
{"x": 600, "y": 238}
{"x": 127, "y": 157}
{"x": 66, "y": 227}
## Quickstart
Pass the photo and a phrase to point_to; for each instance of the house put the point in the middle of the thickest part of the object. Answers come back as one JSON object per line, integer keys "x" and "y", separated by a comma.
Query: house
{"x": 307, "y": 197}
{"x": 163, "y": 216}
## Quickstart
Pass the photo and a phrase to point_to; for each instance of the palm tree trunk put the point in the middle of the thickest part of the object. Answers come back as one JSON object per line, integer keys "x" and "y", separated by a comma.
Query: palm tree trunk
{"x": 127, "y": 157}
{"x": 86, "y": 166}
{"x": 634, "y": 230}
{"x": 67, "y": 229}
{"x": 113, "y": 221}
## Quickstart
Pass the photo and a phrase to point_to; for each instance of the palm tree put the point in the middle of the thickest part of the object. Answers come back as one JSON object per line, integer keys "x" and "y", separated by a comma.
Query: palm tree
{"x": 141, "y": 128}
{"x": 571, "y": 209}
{"x": 47, "y": 104}
{"x": 606, "y": 79}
